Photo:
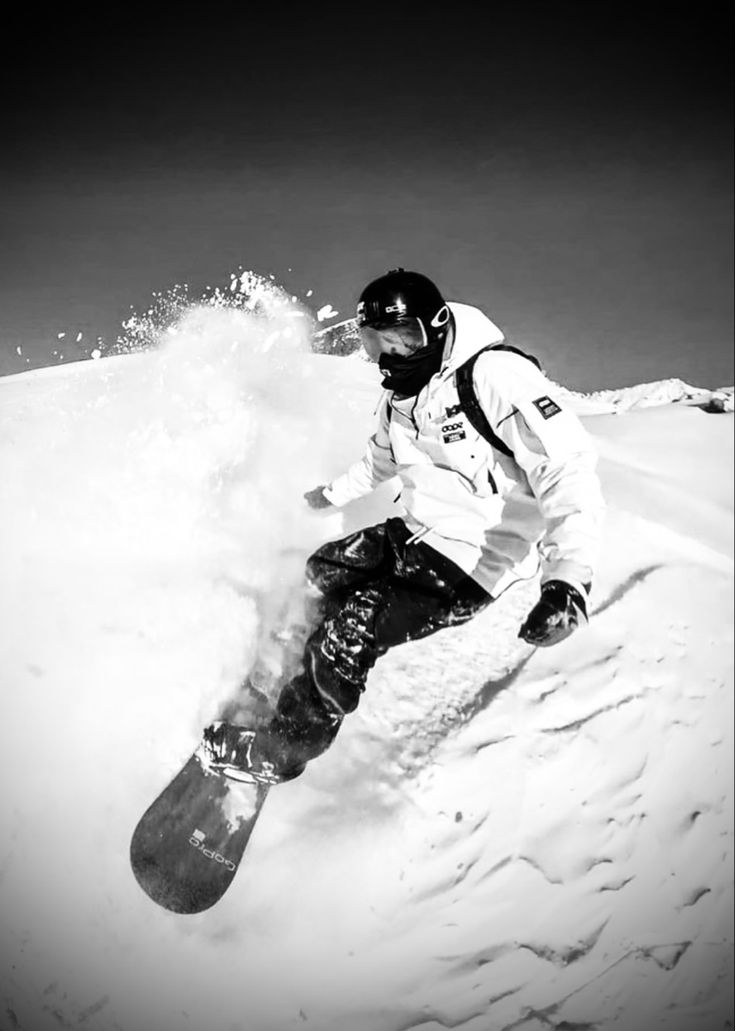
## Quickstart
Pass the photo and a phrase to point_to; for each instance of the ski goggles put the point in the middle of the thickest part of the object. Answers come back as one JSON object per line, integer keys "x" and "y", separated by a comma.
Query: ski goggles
{"x": 408, "y": 331}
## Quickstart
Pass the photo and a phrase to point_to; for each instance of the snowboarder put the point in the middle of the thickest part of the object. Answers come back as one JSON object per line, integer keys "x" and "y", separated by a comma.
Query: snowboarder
{"x": 498, "y": 480}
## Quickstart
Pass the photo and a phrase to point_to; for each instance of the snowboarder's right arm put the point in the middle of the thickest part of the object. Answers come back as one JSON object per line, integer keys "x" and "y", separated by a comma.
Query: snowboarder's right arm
{"x": 375, "y": 466}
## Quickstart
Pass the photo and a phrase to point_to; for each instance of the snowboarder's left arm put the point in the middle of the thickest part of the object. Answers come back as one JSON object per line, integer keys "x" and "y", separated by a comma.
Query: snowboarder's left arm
{"x": 553, "y": 449}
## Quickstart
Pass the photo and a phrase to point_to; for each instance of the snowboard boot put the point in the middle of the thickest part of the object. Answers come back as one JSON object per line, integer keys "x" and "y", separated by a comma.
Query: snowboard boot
{"x": 243, "y": 754}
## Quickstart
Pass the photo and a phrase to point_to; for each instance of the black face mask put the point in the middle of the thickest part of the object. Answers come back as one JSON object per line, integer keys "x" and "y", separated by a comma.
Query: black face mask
{"x": 408, "y": 373}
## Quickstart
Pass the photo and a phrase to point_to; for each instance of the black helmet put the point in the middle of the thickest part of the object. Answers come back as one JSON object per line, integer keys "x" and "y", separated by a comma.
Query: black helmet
{"x": 399, "y": 297}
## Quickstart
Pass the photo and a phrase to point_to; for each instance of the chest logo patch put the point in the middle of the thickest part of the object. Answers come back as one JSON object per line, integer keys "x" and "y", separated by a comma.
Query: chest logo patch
{"x": 453, "y": 410}
{"x": 547, "y": 407}
{"x": 453, "y": 431}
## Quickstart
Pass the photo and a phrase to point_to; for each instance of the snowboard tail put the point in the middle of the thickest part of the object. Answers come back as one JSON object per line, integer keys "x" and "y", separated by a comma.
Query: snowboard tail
{"x": 189, "y": 843}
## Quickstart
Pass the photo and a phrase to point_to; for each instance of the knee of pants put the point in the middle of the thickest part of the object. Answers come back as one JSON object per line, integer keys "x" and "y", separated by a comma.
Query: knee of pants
{"x": 343, "y": 563}
{"x": 339, "y": 656}
{"x": 315, "y": 569}
{"x": 337, "y": 680}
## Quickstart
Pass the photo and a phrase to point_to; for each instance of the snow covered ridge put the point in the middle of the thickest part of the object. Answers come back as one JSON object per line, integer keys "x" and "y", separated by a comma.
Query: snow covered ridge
{"x": 342, "y": 338}
{"x": 346, "y": 343}
{"x": 648, "y": 395}
{"x": 253, "y": 294}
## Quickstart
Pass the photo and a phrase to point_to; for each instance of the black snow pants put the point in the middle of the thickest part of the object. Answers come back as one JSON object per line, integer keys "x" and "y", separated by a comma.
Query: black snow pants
{"x": 373, "y": 590}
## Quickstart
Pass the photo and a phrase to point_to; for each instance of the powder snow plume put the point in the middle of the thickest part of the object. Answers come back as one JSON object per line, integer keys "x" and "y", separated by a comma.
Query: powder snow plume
{"x": 189, "y": 463}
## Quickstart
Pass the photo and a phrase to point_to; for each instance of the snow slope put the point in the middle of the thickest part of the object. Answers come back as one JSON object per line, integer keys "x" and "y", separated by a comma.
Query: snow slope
{"x": 500, "y": 838}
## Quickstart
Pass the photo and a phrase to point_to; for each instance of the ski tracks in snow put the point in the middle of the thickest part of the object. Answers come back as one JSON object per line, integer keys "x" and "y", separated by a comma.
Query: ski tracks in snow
{"x": 589, "y": 781}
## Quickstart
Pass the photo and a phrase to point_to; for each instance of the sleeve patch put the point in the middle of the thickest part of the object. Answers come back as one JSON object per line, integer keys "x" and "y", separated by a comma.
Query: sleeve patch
{"x": 547, "y": 407}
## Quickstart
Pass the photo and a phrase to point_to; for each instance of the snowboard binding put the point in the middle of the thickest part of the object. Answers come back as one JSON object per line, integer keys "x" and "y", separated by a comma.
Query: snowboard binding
{"x": 228, "y": 749}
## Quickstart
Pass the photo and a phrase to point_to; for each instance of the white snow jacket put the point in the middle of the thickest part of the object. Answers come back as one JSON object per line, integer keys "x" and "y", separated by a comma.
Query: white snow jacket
{"x": 495, "y": 516}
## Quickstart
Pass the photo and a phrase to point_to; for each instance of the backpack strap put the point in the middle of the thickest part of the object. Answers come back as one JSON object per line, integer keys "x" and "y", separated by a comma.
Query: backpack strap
{"x": 515, "y": 350}
{"x": 468, "y": 398}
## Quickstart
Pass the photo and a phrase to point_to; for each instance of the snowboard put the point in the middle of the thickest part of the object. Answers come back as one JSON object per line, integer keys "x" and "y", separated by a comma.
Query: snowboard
{"x": 188, "y": 845}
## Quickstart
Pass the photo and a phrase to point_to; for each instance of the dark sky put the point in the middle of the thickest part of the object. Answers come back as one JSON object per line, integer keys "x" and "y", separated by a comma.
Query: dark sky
{"x": 567, "y": 167}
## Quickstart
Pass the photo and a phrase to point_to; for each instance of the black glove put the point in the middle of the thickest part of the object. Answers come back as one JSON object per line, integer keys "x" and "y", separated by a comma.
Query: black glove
{"x": 555, "y": 615}
{"x": 316, "y": 498}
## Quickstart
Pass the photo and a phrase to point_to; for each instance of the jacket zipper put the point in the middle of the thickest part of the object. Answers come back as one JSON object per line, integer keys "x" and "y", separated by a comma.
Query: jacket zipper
{"x": 413, "y": 420}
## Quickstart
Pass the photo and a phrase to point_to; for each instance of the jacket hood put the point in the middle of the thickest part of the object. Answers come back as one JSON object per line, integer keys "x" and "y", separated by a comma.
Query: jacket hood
{"x": 473, "y": 331}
